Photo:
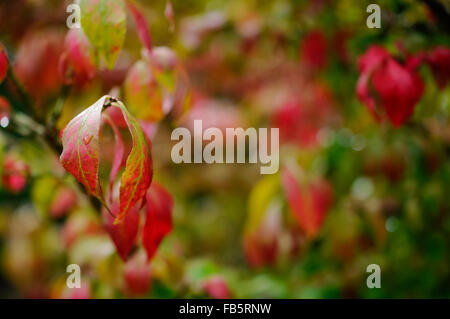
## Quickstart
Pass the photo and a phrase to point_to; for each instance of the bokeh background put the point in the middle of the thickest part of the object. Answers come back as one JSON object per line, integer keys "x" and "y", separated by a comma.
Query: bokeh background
{"x": 352, "y": 190}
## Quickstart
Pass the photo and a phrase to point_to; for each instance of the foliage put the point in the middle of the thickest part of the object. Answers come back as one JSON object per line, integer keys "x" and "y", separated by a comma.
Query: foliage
{"x": 87, "y": 179}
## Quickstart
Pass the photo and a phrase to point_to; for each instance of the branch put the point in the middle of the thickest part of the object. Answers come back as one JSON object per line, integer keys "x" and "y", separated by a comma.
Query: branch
{"x": 37, "y": 128}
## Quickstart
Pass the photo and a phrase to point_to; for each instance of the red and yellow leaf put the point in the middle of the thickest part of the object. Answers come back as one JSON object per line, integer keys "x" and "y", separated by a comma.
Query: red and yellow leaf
{"x": 138, "y": 172}
{"x": 80, "y": 156}
{"x": 80, "y": 138}
{"x": 143, "y": 96}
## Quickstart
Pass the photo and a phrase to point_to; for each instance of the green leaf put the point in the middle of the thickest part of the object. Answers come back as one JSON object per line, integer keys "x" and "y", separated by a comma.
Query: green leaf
{"x": 104, "y": 23}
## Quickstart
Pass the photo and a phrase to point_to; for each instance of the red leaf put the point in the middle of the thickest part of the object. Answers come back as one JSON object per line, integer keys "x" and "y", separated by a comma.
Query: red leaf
{"x": 64, "y": 199}
{"x": 340, "y": 45}
{"x": 141, "y": 25}
{"x": 262, "y": 243}
{"x": 3, "y": 63}
{"x": 77, "y": 226}
{"x": 5, "y": 107}
{"x": 156, "y": 85}
{"x": 15, "y": 174}
{"x": 158, "y": 221}
{"x": 314, "y": 50}
{"x": 439, "y": 61}
{"x": 137, "y": 275}
{"x": 84, "y": 292}
{"x": 300, "y": 117}
{"x": 399, "y": 87}
{"x": 124, "y": 233}
{"x": 39, "y": 71}
{"x": 76, "y": 63}
{"x": 373, "y": 57}
{"x": 309, "y": 204}
{"x": 260, "y": 251}
{"x": 217, "y": 288}
{"x": 116, "y": 116}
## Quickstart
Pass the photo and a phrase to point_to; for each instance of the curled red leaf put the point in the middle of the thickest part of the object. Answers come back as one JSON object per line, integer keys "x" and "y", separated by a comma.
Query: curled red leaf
{"x": 80, "y": 156}
{"x": 138, "y": 172}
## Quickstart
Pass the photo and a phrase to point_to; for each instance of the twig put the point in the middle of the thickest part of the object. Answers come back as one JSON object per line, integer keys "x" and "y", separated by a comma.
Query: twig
{"x": 48, "y": 132}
